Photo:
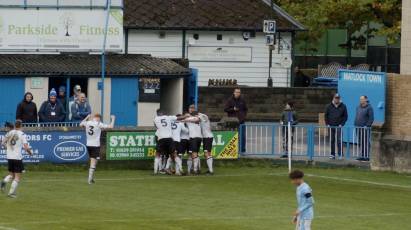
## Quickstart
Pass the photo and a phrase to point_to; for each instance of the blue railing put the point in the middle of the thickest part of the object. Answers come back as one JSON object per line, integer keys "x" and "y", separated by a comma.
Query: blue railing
{"x": 307, "y": 141}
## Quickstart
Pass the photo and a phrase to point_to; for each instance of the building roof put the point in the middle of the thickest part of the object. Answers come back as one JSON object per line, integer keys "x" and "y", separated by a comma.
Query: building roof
{"x": 87, "y": 65}
{"x": 205, "y": 15}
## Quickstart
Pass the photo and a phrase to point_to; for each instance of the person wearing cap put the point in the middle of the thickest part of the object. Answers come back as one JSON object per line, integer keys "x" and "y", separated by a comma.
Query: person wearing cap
{"x": 336, "y": 116}
{"x": 52, "y": 110}
{"x": 62, "y": 96}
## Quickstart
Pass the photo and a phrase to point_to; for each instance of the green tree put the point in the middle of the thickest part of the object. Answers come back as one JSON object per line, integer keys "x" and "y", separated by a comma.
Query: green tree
{"x": 353, "y": 15}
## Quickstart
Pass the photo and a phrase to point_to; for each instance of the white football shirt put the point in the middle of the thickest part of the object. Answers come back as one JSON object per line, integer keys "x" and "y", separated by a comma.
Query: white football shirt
{"x": 194, "y": 127}
{"x": 205, "y": 126}
{"x": 185, "y": 135}
{"x": 176, "y": 128}
{"x": 93, "y": 132}
{"x": 14, "y": 141}
{"x": 163, "y": 125}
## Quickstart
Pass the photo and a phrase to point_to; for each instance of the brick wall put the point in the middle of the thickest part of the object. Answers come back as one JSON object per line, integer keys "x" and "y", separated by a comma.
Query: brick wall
{"x": 266, "y": 104}
{"x": 398, "y": 111}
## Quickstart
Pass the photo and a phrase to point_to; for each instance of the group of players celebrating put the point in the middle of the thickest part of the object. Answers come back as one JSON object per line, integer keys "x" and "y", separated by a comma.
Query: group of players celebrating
{"x": 179, "y": 135}
{"x": 176, "y": 136}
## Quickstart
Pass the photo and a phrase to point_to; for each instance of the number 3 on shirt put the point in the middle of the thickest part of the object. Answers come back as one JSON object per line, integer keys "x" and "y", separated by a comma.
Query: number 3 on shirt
{"x": 91, "y": 130}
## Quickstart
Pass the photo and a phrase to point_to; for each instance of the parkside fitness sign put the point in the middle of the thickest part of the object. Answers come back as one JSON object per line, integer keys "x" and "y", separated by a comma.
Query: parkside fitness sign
{"x": 63, "y": 29}
{"x": 142, "y": 145}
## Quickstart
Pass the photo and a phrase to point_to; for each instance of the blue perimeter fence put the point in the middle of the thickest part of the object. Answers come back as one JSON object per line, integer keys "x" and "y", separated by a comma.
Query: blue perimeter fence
{"x": 308, "y": 142}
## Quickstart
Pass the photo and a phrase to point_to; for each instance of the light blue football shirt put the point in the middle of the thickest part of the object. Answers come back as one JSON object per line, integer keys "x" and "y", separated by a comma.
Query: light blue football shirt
{"x": 305, "y": 202}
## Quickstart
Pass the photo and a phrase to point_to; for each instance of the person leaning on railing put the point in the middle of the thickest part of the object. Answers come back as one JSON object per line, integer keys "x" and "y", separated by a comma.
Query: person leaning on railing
{"x": 52, "y": 110}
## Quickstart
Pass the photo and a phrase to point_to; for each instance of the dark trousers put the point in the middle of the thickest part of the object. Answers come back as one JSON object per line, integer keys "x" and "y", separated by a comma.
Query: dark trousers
{"x": 363, "y": 141}
{"x": 243, "y": 139}
{"x": 336, "y": 135}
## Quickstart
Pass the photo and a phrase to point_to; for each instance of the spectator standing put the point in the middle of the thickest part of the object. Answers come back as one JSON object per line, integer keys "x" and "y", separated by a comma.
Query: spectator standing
{"x": 364, "y": 118}
{"x": 335, "y": 117}
{"x": 27, "y": 109}
{"x": 73, "y": 99}
{"x": 237, "y": 107}
{"x": 51, "y": 110}
{"x": 80, "y": 109}
{"x": 62, "y": 96}
{"x": 289, "y": 115}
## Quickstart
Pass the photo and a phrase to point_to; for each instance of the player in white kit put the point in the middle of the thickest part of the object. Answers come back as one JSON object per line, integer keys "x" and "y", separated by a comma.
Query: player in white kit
{"x": 207, "y": 141}
{"x": 194, "y": 128}
{"x": 93, "y": 127}
{"x": 165, "y": 145}
{"x": 15, "y": 142}
{"x": 176, "y": 130}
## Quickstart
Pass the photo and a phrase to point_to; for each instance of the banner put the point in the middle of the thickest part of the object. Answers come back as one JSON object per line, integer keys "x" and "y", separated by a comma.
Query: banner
{"x": 142, "y": 145}
{"x": 60, "y": 29}
{"x": 53, "y": 147}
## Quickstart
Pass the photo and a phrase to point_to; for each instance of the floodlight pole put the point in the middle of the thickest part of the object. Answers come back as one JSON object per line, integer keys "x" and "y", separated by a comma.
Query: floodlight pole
{"x": 103, "y": 56}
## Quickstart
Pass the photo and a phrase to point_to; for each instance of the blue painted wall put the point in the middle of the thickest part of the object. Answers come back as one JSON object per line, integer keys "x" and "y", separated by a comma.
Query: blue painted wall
{"x": 11, "y": 94}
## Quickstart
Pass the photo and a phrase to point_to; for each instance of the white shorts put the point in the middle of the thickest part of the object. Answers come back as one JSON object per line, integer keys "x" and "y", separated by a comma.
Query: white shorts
{"x": 303, "y": 225}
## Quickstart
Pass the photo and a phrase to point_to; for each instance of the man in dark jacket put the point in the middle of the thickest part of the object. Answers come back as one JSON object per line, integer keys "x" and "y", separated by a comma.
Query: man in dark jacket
{"x": 236, "y": 107}
{"x": 364, "y": 118}
{"x": 335, "y": 117}
{"x": 52, "y": 110}
{"x": 27, "y": 109}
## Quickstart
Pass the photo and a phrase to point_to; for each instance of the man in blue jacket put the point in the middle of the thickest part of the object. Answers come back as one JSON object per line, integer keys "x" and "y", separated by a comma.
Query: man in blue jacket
{"x": 335, "y": 117}
{"x": 52, "y": 110}
{"x": 80, "y": 109}
{"x": 364, "y": 118}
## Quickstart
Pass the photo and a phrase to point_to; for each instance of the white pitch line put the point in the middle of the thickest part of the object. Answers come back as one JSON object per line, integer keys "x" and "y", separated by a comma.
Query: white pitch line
{"x": 160, "y": 177}
{"x": 7, "y": 228}
{"x": 361, "y": 181}
{"x": 201, "y": 218}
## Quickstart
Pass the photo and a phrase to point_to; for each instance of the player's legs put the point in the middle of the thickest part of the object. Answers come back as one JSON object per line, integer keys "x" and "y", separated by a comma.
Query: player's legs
{"x": 208, "y": 146}
{"x": 194, "y": 148}
{"x": 303, "y": 224}
{"x": 6, "y": 180}
{"x": 92, "y": 169}
{"x": 14, "y": 185}
{"x": 157, "y": 162}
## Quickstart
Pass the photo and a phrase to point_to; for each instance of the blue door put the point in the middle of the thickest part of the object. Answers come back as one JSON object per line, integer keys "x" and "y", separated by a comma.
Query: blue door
{"x": 124, "y": 98}
{"x": 11, "y": 94}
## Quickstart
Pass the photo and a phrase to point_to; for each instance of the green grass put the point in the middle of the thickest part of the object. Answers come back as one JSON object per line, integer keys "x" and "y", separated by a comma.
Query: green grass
{"x": 237, "y": 198}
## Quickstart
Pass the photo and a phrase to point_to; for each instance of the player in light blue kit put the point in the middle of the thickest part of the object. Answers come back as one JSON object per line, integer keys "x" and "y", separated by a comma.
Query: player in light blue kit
{"x": 304, "y": 215}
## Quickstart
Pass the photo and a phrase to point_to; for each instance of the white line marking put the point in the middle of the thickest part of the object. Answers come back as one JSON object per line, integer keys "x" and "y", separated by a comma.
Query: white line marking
{"x": 7, "y": 228}
{"x": 160, "y": 177}
{"x": 202, "y": 218}
{"x": 361, "y": 181}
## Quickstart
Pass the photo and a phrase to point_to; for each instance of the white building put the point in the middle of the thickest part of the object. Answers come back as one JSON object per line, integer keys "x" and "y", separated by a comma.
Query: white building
{"x": 223, "y": 39}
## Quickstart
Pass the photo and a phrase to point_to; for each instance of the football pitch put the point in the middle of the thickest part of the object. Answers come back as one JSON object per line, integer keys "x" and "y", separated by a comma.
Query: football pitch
{"x": 236, "y": 198}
